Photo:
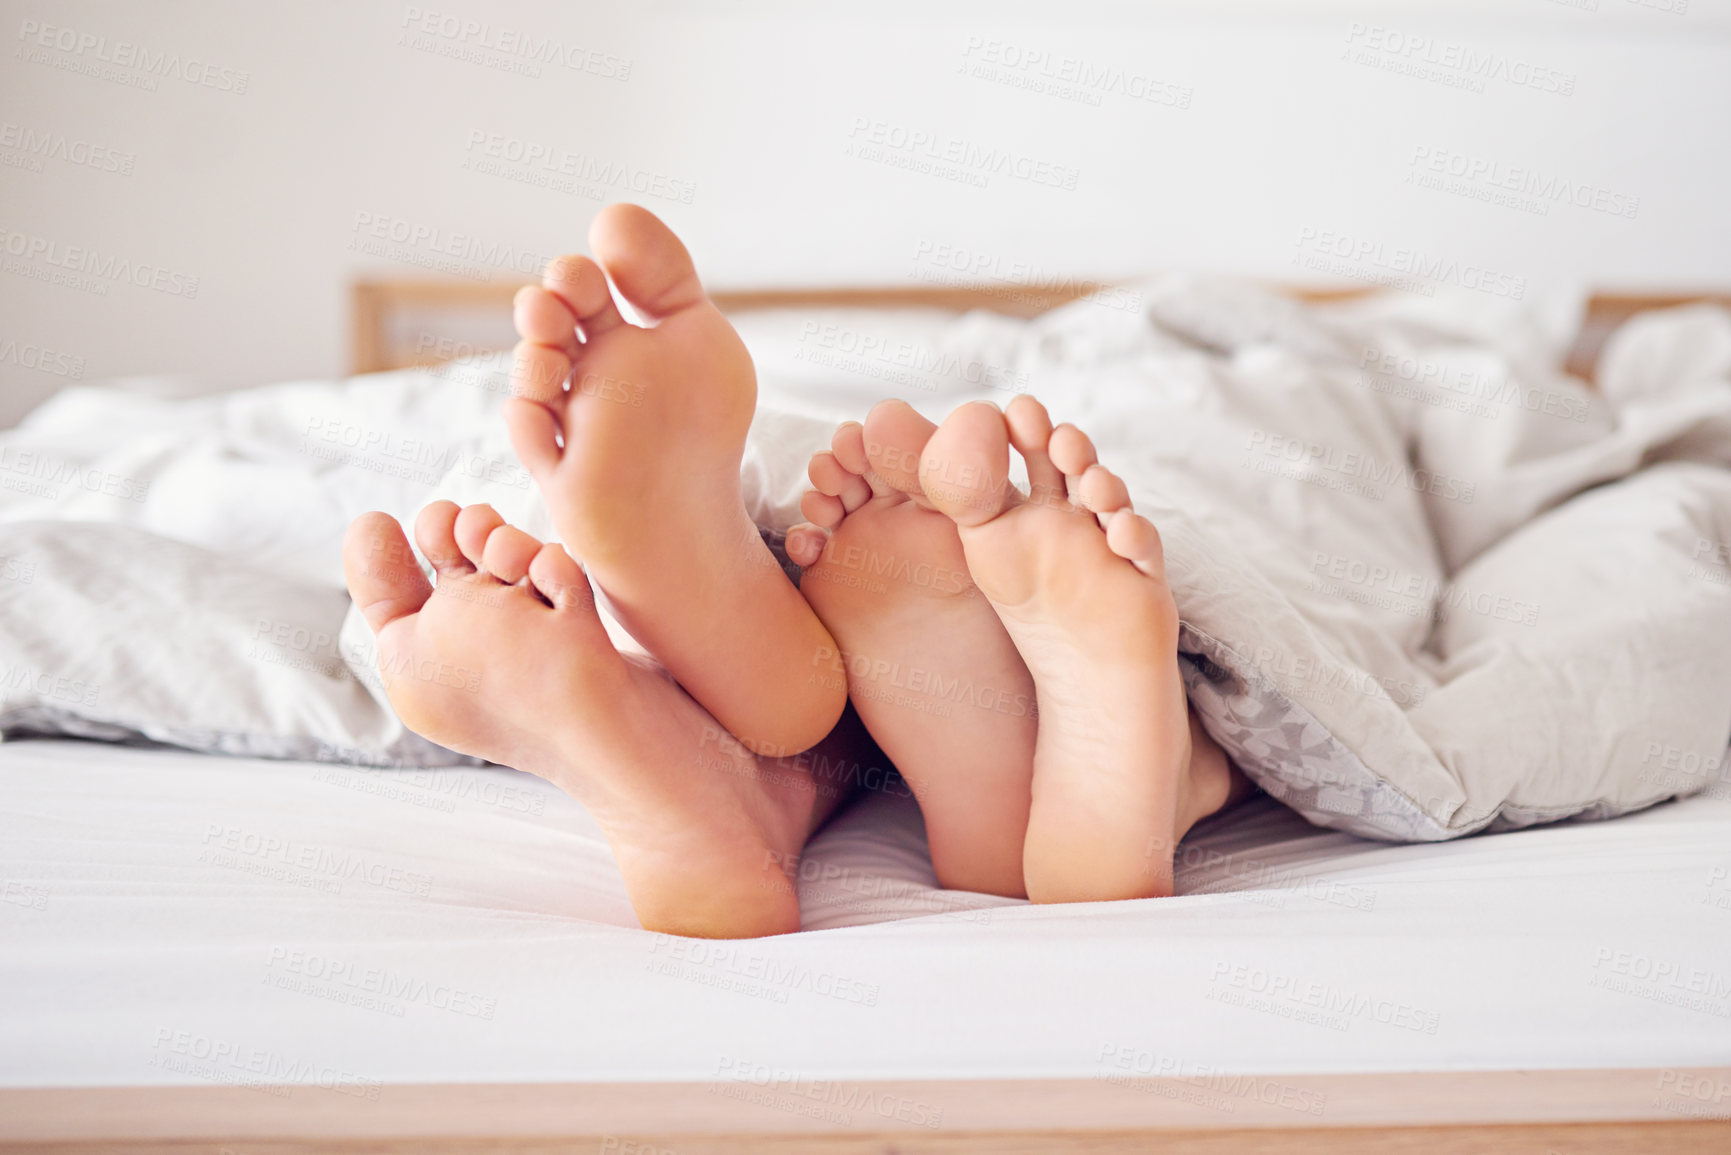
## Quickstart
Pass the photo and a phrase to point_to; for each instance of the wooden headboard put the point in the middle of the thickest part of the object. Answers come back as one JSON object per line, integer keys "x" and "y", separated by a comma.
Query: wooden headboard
{"x": 402, "y": 323}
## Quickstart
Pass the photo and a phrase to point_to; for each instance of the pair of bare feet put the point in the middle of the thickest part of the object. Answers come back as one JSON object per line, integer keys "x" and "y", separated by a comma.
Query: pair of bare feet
{"x": 1013, "y": 654}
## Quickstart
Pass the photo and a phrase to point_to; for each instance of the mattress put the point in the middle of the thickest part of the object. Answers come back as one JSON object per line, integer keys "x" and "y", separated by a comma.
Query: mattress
{"x": 175, "y": 918}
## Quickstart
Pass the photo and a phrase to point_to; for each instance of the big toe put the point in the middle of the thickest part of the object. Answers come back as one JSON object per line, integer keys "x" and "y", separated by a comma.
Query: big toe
{"x": 895, "y": 437}
{"x": 965, "y": 469}
{"x": 384, "y": 578}
{"x": 650, "y": 265}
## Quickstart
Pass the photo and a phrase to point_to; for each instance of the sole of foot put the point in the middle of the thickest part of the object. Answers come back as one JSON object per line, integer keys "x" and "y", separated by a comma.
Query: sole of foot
{"x": 505, "y": 659}
{"x": 1077, "y": 579}
{"x": 927, "y": 664}
{"x": 634, "y": 435}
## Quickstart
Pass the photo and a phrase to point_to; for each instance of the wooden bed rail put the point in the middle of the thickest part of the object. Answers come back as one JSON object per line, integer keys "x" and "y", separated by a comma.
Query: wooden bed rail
{"x": 378, "y": 306}
{"x": 1672, "y": 1110}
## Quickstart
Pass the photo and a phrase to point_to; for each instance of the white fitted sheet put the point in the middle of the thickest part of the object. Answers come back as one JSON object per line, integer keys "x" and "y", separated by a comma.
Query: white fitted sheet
{"x": 469, "y": 925}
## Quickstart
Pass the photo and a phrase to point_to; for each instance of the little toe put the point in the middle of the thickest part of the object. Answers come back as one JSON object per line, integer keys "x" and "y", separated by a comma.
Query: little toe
{"x": 1031, "y": 432}
{"x": 1102, "y": 492}
{"x": 545, "y": 319}
{"x": 534, "y": 432}
{"x": 508, "y": 554}
{"x": 435, "y": 534}
{"x": 582, "y": 286}
{"x": 1134, "y": 538}
{"x": 805, "y": 544}
{"x": 384, "y": 579}
{"x": 538, "y": 372}
{"x": 474, "y": 525}
{"x": 645, "y": 259}
{"x": 965, "y": 469}
{"x": 830, "y": 477}
{"x": 557, "y": 577}
{"x": 1070, "y": 450}
{"x": 895, "y": 436}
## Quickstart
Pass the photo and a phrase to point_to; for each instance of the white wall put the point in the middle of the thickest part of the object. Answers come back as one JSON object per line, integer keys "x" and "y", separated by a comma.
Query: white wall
{"x": 1264, "y": 127}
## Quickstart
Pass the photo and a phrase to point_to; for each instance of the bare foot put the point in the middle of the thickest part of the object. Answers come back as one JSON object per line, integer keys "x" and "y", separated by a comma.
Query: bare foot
{"x": 505, "y": 659}
{"x": 1119, "y": 767}
{"x": 929, "y": 667}
{"x": 635, "y": 437}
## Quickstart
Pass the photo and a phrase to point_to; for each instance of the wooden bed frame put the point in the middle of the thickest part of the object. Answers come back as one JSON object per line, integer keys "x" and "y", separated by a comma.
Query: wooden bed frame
{"x": 1680, "y": 1109}
{"x": 1541, "y": 1112}
{"x": 377, "y": 306}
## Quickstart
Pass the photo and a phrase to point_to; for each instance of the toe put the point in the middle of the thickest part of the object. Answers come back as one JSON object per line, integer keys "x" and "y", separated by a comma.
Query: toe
{"x": 384, "y": 579}
{"x": 1102, "y": 492}
{"x": 1030, "y": 432}
{"x": 895, "y": 436}
{"x": 560, "y": 579}
{"x": 545, "y": 319}
{"x": 830, "y": 477}
{"x": 822, "y": 509}
{"x": 474, "y": 525}
{"x": 648, "y": 263}
{"x": 848, "y": 445}
{"x": 435, "y": 534}
{"x": 805, "y": 544}
{"x": 508, "y": 554}
{"x": 1134, "y": 538}
{"x": 581, "y": 285}
{"x": 1070, "y": 450}
{"x": 538, "y": 373}
{"x": 534, "y": 435}
{"x": 965, "y": 469}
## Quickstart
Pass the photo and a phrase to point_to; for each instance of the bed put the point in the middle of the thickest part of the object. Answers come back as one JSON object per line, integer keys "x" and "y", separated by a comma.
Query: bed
{"x": 276, "y": 955}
